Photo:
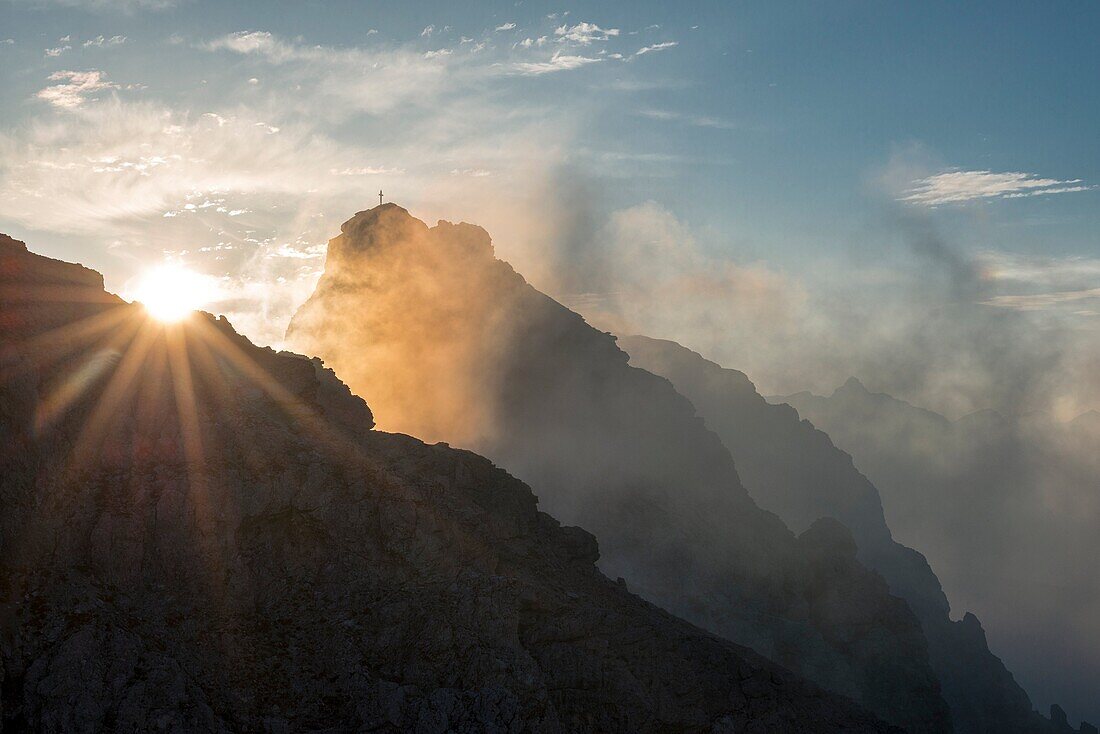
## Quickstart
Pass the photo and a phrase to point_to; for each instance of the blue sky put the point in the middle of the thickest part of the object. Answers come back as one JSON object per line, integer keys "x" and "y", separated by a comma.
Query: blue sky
{"x": 761, "y": 167}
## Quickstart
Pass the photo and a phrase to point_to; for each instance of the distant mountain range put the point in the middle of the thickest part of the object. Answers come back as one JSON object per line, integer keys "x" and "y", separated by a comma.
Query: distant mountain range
{"x": 1006, "y": 508}
{"x": 793, "y": 469}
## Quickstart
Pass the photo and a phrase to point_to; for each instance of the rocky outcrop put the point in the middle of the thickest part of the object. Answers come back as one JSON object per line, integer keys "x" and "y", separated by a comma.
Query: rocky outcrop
{"x": 200, "y": 535}
{"x": 449, "y": 343}
{"x": 794, "y": 469}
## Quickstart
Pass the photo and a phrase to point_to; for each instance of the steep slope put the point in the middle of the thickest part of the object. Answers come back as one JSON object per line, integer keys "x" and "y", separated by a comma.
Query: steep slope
{"x": 795, "y": 470}
{"x": 1007, "y": 509}
{"x": 447, "y": 342}
{"x": 200, "y": 535}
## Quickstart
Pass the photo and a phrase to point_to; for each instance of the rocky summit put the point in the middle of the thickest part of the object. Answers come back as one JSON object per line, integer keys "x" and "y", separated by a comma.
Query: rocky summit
{"x": 197, "y": 534}
{"x": 448, "y": 342}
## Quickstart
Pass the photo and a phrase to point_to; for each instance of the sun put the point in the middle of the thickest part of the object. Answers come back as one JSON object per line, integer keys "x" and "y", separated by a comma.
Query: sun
{"x": 170, "y": 291}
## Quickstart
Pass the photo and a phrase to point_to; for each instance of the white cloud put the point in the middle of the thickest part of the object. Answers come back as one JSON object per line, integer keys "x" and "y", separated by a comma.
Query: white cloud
{"x": 7, "y": 42}
{"x": 956, "y": 187}
{"x": 505, "y": 27}
{"x": 57, "y": 50}
{"x": 558, "y": 62}
{"x": 78, "y": 86}
{"x": 100, "y": 41}
{"x": 585, "y": 33}
{"x": 428, "y": 30}
{"x": 656, "y": 47}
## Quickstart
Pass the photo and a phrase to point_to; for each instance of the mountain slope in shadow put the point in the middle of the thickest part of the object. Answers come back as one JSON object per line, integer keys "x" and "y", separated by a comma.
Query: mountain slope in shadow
{"x": 794, "y": 469}
{"x": 197, "y": 534}
{"x": 447, "y": 342}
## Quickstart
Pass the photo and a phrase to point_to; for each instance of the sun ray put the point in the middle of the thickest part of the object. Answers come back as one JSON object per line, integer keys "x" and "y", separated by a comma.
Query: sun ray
{"x": 113, "y": 395}
{"x": 61, "y": 341}
{"x": 294, "y": 407}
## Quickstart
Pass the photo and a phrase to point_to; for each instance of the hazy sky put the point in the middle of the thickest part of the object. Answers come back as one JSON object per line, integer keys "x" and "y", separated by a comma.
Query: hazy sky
{"x": 795, "y": 147}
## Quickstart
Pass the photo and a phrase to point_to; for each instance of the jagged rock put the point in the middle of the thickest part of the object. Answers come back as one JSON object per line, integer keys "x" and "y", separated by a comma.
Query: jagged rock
{"x": 1058, "y": 716}
{"x": 449, "y": 343}
{"x": 794, "y": 469}
{"x": 200, "y": 535}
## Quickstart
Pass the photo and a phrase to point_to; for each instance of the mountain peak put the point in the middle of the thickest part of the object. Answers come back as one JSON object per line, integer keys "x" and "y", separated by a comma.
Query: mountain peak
{"x": 854, "y": 386}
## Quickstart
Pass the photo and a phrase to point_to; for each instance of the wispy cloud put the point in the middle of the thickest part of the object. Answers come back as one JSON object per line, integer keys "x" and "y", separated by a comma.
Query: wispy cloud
{"x": 77, "y": 87}
{"x": 366, "y": 171}
{"x": 57, "y": 51}
{"x": 584, "y": 33}
{"x": 656, "y": 47}
{"x": 348, "y": 79}
{"x": 1039, "y": 283}
{"x": 558, "y": 62}
{"x": 1046, "y": 301}
{"x": 505, "y": 27}
{"x": 695, "y": 120}
{"x": 957, "y": 187}
{"x": 101, "y": 42}
{"x": 1068, "y": 271}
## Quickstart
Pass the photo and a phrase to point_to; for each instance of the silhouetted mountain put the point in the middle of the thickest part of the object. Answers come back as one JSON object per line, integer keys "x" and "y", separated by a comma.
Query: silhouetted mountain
{"x": 1005, "y": 508}
{"x": 794, "y": 470}
{"x": 197, "y": 534}
{"x": 449, "y": 343}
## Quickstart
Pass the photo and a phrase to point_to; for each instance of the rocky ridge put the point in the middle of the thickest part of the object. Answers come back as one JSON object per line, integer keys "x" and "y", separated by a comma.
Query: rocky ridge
{"x": 197, "y": 534}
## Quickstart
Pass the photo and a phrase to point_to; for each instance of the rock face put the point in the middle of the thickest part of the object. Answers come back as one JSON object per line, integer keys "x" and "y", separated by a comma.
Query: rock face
{"x": 449, "y": 343}
{"x": 1015, "y": 517}
{"x": 200, "y": 535}
{"x": 795, "y": 470}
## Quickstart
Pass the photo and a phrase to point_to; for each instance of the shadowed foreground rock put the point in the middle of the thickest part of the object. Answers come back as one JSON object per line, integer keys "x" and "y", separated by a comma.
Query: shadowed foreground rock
{"x": 200, "y": 535}
{"x": 450, "y": 343}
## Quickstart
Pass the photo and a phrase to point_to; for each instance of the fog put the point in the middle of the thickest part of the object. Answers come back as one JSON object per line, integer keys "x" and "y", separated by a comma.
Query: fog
{"x": 1004, "y": 509}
